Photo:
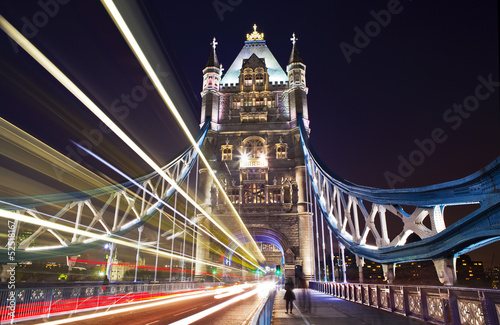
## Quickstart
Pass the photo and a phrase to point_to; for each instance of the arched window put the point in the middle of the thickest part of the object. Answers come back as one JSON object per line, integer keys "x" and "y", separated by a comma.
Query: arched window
{"x": 227, "y": 152}
{"x": 281, "y": 149}
{"x": 254, "y": 148}
{"x": 248, "y": 80}
{"x": 259, "y": 79}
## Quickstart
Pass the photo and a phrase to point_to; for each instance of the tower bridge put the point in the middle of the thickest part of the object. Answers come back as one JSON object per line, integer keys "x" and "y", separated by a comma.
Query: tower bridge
{"x": 248, "y": 197}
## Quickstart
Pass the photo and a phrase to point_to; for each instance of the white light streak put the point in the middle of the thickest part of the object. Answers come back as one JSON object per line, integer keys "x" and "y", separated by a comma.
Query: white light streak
{"x": 127, "y": 34}
{"x": 196, "y": 317}
{"x": 92, "y": 236}
{"x": 66, "y": 82}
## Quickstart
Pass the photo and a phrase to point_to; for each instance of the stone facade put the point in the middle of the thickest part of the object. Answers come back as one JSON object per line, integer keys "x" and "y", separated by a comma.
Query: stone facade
{"x": 254, "y": 145}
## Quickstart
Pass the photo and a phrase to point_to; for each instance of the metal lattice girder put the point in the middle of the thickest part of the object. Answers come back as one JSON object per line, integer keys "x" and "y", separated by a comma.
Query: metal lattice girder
{"x": 355, "y": 212}
{"x": 120, "y": 213}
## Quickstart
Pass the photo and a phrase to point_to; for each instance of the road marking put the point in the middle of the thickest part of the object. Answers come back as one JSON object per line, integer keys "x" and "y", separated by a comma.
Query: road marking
{"x": 186, "y": 311}
{"x": 305, "y": 320}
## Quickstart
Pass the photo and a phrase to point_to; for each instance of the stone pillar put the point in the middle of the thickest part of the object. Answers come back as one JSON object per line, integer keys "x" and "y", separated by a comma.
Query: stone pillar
{"x": 446, "y": 270}
{"x": 204, "y": 186}
{"x": 112, "y": 247}
{"x": 203, "y": 241}
{"x": 306, "y": 246}
{"x": 71, "y": 263}
{"x": 344, "y": 277}
{"x": 202, "y": 252}
{"x": 301, "y": 184}
{"x": 360, "y": 261}
{"x": 389, "y": 272}
{"x": 8, "y": 273}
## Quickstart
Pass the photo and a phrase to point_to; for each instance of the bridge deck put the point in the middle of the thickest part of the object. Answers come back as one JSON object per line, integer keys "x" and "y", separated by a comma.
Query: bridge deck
{"x": 327, "y": 310}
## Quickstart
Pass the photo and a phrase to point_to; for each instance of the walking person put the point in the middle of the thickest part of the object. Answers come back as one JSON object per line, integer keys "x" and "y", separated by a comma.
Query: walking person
{"x": 305, "y": 303}
{"x": 289, "y": 295}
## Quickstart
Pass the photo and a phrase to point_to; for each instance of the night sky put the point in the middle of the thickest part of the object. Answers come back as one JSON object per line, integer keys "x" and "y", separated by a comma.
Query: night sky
{"x": 372, "y": 99}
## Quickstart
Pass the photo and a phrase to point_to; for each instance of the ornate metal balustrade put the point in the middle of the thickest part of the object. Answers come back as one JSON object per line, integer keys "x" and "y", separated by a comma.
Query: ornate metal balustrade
{"x": 36, "y": 303}
{"x": 359, "y": 216}
{"x": 438, "y": 305}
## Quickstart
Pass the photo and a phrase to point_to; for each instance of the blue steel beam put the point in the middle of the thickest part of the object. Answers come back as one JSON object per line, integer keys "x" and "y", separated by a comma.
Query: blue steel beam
{"x": 337, "y": 198}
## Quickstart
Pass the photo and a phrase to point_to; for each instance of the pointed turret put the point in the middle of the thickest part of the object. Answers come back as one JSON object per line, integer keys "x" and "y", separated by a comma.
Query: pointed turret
{"x": 295, "y": 56}
{"x": 297, "y": 93}
{"x": 210, "y": 93}
{"x": 213, "y": 61}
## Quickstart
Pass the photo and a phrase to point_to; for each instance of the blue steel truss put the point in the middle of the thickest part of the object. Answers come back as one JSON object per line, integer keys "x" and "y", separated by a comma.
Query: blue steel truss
{"x": 357, "y": 214}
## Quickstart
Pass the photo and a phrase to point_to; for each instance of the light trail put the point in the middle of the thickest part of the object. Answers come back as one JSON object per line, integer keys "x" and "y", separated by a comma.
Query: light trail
{"x": 66, "y": 82}
{"x": 129, "y": 37}
{"x": 159, "y": 201}
{"x": 92, "y": 236}
{"x": 106, "y": 238}
{"x": 196, "y": 317}
{"x": 142, "y": 305}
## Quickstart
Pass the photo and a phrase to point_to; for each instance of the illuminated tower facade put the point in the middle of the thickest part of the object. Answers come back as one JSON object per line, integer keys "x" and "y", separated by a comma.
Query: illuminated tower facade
{"x": 254, "y": 144}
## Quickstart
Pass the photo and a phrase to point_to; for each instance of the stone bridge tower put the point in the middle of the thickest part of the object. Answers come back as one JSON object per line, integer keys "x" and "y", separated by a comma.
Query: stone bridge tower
{"x": 254, "y": 144}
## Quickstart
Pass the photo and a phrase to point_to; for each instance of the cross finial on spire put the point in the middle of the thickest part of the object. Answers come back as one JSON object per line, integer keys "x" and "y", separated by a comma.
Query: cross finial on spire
{"x": 214, "y": 43}
{"x": 293, "y": 39}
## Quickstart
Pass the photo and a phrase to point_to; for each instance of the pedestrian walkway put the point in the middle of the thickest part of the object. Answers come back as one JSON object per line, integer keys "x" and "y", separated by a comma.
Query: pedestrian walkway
{"x": 327, "y": 310}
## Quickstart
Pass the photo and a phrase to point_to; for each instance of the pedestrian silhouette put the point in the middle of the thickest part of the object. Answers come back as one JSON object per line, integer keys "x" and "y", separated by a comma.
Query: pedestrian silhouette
{"x": 305, "y": 301}
{"x": 289, "y": 295}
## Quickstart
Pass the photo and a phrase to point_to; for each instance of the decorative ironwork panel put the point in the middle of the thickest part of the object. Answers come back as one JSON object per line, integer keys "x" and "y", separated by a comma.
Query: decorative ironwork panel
{"x": 21, "y": 294}
{"x": 471, "y": 312}
{"x": 89, "y": 291}
{"x": 75, "y": 292}
{"x": 366, "y": 296}
{"x": 435, "y": 308}
{"x": 384, "y": 298}
{"x": 415, "y": 304}
{"x": 37, "y": 294}
{"x": 399, "y": 301}
{"x": 57, "y": 294}
{"x": 374, "y": 296}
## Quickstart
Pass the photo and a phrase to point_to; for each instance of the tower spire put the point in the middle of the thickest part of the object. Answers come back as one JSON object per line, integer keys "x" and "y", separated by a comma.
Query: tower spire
{"x": 213, "y": 61}
{"x": 295, "y": 56}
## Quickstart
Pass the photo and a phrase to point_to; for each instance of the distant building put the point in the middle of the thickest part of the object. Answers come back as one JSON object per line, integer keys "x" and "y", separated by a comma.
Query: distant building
{"x": 421, "y": 272}
{"x": 470, "y": 273}
{"x": 493, "y": 277}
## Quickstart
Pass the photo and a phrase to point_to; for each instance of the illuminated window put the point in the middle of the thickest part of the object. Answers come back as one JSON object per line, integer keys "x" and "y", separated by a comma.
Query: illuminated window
{"x": 227, "y": 152}
{"x": 248, "y": 80}
{"x": 275, "y": 195}
{"x": 254, "y": 148}
{"x": 254, "y": 194}
{"x": 248, "y": 102}
{"x": 281, "y": 150}
{"x": 259, "y": 80}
